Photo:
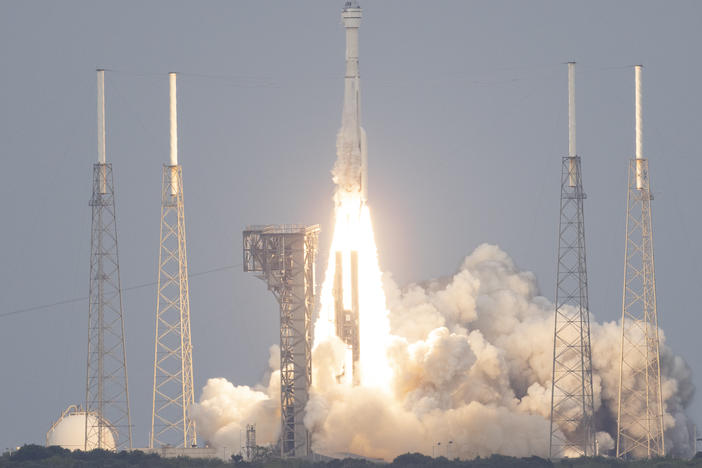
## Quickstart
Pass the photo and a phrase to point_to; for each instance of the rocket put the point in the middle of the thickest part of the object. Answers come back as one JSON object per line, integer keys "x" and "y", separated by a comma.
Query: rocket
{"x": 350, "y": 175}
{"x": 350, "y": 171}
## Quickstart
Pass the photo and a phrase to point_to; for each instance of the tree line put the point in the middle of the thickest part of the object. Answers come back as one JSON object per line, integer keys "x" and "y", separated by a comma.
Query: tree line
{"x": 37, "y": 456}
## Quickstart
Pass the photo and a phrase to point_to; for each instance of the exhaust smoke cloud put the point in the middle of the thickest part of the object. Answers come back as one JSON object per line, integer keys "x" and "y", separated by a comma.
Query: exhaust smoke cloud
{"x": 470, "y": 360}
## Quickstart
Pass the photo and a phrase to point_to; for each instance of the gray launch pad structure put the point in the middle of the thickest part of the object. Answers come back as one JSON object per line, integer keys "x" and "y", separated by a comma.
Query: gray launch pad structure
{"x": 284, "y": 257}
{"x": 106, "y": 389}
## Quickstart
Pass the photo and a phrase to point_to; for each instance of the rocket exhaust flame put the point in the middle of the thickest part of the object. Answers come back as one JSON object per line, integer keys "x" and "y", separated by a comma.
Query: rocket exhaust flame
{"x": 353, "y": 305}
{"x": 346, "y": 314}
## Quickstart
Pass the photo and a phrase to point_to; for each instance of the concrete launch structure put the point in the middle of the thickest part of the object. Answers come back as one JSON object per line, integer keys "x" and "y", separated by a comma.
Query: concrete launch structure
{"x": 106, "y": 390}
{"x": 640, "y": 429}
{"x": 173, "y": 393}
{"x": 284, "y": 257}
{"x": 572, "y": 403}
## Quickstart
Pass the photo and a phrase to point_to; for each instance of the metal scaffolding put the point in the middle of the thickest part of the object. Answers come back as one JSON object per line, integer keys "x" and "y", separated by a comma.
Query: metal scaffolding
{"x": 640, "y": 413}
{"x": 173, "y": 396}
{"x": 106, "y": 392}
{"x": 284, "y": 257}
{"x": 640, "y": 430}
{"x": 572, "y": 405}
{"x": 250, "y": 442}
{"x": 106, "y": 388}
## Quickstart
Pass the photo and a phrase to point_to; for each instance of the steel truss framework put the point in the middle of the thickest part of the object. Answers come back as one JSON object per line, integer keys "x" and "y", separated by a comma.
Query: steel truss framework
{"x": 284, "y": 257}
{"x": 106, "y": 389}
{"x": 173, "y": 396}
{"x": 250, "y": 442}
{"x": 572, "y": 405}
{"x": 640, "y": 414}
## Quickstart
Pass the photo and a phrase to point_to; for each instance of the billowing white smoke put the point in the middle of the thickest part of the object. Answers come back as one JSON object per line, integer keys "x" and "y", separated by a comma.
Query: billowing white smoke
{"x": 224, "y": 410}
{"x": 471, "y": 357}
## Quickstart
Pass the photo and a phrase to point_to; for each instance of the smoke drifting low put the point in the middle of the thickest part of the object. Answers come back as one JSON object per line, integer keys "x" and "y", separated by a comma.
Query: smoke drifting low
{"x": 224, "y": 410}
{"x": 471, "y": 359}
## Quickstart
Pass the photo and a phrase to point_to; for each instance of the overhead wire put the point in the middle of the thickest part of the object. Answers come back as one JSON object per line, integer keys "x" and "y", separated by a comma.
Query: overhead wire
{"x": 129, "y": 288}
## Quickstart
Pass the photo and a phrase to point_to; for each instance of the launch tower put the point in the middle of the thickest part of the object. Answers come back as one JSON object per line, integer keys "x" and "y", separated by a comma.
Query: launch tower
{"x": 572, "y": 406}
{"x": 284, "y": 257}
{"x": 173, "y": 396}
{"x": 640, "y": 414}
{"x": 106, "y": 393}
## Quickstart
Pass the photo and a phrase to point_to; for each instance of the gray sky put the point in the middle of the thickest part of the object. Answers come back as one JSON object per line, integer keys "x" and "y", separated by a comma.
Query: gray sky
{"x": 465, "y": 106}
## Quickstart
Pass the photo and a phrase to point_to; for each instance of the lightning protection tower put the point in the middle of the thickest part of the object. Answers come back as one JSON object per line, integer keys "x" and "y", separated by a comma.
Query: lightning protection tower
{"x": 284, "y": 257}
{"x": 106, "y": 393}
{"x": 173, "y": 396}
{"x": 250, "y": 441}
{"x": 640, "y": 414}
{"x": 572, "y": 406}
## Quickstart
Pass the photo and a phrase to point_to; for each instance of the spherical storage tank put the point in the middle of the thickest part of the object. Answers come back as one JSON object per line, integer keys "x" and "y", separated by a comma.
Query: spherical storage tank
{"x": 69, "y": 431}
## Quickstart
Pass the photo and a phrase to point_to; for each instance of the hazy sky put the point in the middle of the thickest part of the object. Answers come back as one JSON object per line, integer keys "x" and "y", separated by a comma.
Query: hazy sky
{"x": 465, "y": 106}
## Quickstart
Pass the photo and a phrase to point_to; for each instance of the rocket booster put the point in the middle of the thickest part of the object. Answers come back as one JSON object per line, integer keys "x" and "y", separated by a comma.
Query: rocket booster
{"x": 351, "y": 168}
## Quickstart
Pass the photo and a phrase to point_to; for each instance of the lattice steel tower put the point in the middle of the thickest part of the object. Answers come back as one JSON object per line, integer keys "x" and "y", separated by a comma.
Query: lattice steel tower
{"x": 572, "y": 405}
{"x": 173, "y": 396}
{"x": 284, "y": 257}
{"x": 640, "y": 414}
{"x": 250, "y": 442}
{"x": 106, "y": 392}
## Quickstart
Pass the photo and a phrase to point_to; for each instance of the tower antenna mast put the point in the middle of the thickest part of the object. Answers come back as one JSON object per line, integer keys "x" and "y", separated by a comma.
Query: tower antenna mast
{"x": 572, "y": 405}
{"x": 107, "y": 422}
{"x": 640, "y": 402}
{"x": 173, "y": 395}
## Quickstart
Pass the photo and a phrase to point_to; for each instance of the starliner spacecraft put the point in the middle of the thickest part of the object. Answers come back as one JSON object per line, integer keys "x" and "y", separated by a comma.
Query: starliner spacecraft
{"x": 351, "y": 177}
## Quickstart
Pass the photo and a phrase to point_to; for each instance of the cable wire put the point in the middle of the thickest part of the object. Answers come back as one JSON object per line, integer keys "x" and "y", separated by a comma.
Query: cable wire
{"x": 129, "y": 288}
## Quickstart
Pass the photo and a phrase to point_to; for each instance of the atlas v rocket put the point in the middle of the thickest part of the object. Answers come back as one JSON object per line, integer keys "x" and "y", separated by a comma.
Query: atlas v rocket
{"x": 351, "y": 176}
{"x": 351, "y": 169}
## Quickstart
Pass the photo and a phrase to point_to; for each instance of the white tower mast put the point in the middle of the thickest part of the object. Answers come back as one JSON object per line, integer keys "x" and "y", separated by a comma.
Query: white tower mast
{"x": 572, "y": 404}
{"x": 640, "y": 430}
{"x": 106, "y": 389}
{"x": 173, "y": 396}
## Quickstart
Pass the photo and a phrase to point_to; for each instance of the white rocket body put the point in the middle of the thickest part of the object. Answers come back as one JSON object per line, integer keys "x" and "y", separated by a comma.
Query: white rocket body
{"x": 351, "y": 168}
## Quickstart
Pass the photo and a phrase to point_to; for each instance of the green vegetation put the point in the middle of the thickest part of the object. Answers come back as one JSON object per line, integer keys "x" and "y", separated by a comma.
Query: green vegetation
{"x": 36, "y": 456}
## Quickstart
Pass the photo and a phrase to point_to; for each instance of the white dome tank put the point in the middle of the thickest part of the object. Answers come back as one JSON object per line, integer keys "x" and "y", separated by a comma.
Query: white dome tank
{"x": 69, "y": 431}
